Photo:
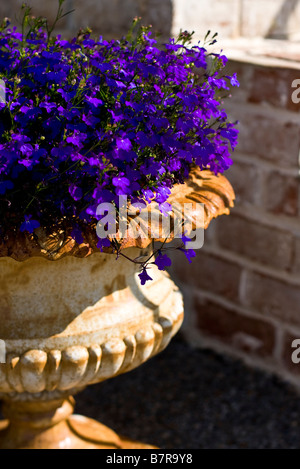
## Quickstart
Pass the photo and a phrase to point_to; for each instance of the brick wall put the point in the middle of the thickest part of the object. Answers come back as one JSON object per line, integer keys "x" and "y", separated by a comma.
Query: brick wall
{"x": 110, "y": 18}
{"x": 242, "y": 292}
{"x": 230, "y": 18}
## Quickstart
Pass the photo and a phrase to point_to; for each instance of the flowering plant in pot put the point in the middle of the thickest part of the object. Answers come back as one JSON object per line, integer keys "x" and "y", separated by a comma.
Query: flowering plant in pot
{"x": 85, "y": 123}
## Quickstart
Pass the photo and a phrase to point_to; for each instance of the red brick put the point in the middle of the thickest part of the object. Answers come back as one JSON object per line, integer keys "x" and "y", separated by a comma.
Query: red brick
{"x": 264, "y": 85}
{"x": 274, "y": 86}
{"x": 273, "y": 298}
{"x": 288, "y": 351}
{"x": 251, "y": 335}
{"x": 266, "y": 135}
{"x": 245, "y": 180}
{"x": 109, "y": 18}
{"x": 46, "y": 9}
{"x": 209, "y": 236}
{"x": 209, "y": 273}
{"x": 296, "y": 257}
{"x": 113, "y": 18}
{"x": 281, "y": 193}
{"x": 6, "y": 10}
{"x": 260, "y": 243}
{"x": 244, "y": 73}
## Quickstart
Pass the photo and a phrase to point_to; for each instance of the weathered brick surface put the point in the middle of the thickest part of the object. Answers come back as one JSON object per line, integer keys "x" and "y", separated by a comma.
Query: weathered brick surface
{"x": 273, "y": 298}
{"x": 281, "y": 193}
{"x": 159, "y": 14}
{"x": 265, "y": 178}
{"x": 46, "y": 9}
{"x": 288, "y": 351}
{"x": 296, "y": 256}
{"x": 245, "y": 74}
{"x": 255, "y": 241}
{"x": 270, "y": 184}
{"x": 266, "y": 134}
{"x": 107, "y": 17}
{"x": 112, "y": 18}
{"x": 266, "y": 85}
{"x": 273, "y": 86}
{"x": 246, "y": 180}
{"x": 209, "y": 235}
{"x": 210, "y": 273}
{"x": 230, "y": 18}
{"x": 5, "y": 10}
{"x": 251, "y": 335}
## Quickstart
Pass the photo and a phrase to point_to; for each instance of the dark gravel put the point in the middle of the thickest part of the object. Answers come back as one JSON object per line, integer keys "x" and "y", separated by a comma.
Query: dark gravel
{"x": 188, "y": 398}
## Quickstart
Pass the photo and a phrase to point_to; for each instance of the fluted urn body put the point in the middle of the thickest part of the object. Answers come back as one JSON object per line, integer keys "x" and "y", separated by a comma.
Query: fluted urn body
{"x": 73, "y": 322}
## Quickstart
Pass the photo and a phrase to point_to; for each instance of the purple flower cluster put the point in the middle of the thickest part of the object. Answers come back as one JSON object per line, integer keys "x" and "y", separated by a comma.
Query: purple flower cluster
{"x": 87, "y": 120}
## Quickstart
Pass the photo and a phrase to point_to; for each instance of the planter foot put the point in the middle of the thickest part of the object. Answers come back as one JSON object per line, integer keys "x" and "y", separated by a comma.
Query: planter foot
{"x": 51, "y": 425}
{"x": 100, "y": 436}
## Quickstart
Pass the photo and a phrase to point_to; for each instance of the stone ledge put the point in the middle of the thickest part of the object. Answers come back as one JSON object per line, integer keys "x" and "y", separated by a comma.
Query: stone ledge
{"x": 260, "y": 51}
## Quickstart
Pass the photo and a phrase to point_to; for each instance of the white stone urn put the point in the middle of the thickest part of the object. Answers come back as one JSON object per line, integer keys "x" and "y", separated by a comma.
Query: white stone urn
{"x": 71, "y": 317}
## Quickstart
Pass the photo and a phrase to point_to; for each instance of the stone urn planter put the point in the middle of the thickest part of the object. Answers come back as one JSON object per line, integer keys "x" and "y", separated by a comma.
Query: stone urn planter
{"x": 71, "y": 317}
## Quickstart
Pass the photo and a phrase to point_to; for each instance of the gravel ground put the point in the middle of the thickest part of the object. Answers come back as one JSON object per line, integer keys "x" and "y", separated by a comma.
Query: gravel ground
{"x": 188, "y": 398}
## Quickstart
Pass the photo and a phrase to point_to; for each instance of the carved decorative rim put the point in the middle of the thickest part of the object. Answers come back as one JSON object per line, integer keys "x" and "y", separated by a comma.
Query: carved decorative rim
{"x": 214, "y": 191}
{"x": 41, "y": 375}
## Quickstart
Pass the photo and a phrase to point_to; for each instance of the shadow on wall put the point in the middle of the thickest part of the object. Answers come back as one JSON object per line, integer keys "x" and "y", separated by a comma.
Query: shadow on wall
{"x": 279, "y": 26}
{"x": 112, "y": 18}
{"x": 109, "y": 18}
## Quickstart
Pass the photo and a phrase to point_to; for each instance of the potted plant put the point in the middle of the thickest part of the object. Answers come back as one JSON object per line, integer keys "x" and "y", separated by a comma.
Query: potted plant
{"x": 86, "y": 124}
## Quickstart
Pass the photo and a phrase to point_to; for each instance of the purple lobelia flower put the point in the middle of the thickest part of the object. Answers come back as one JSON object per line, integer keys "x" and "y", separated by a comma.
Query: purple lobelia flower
{"x": 144, "y": 276}
{"x": 29, "y": 224}
{"x": 162, "y": 261}
{"x": 87, "y": 120}
{"x": 189, "y": 254}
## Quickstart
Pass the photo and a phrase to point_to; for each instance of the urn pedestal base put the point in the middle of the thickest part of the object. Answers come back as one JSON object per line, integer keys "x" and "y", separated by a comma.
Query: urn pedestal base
{"x": 52, "y": 425}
